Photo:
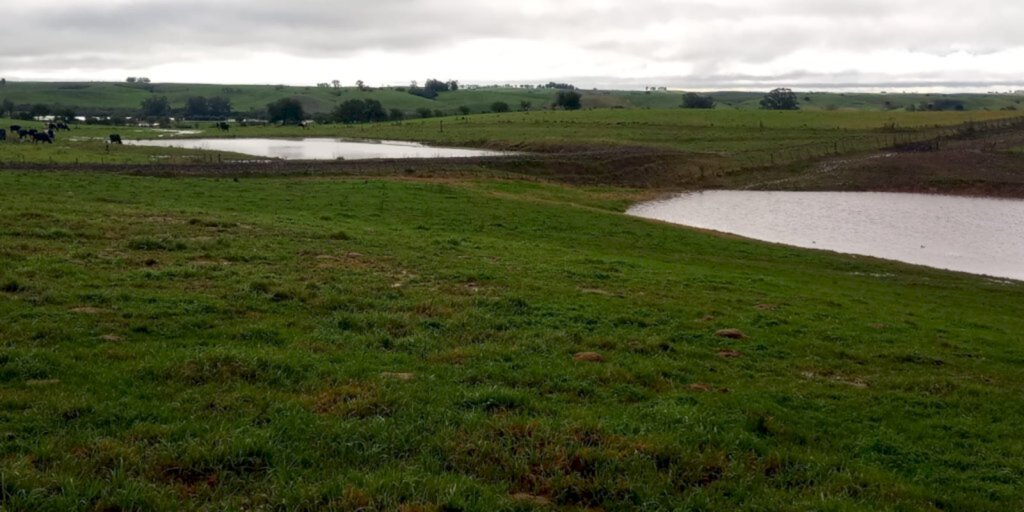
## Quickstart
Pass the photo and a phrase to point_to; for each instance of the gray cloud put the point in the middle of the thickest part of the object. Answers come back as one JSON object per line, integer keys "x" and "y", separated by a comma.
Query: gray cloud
{"x": 46, "y": 37}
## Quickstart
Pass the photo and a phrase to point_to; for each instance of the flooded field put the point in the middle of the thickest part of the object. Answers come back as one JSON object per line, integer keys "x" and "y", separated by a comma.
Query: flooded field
{"x": 976, "y": 235}
{"x": 319, "y": 148}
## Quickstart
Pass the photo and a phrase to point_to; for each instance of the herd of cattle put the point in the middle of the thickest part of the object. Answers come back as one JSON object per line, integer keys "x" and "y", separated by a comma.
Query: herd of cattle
{"x": 35, "y": 135}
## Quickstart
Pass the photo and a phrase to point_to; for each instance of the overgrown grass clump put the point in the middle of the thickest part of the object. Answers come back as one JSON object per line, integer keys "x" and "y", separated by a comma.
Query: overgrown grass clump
{"x": 206, "y": 344}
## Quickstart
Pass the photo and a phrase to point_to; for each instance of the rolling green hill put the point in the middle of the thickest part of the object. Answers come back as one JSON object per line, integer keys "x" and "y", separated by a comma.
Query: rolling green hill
{"x": 125, "y": 98}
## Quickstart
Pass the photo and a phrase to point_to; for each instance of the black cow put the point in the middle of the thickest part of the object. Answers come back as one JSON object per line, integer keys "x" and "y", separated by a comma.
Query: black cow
{"x": 15, "y": 129}
{"x": 115, "y": 138}
{"x": 3, "y": 134}
{"x": 51, "y": 126}
{"x": 223, "y": 126}
{"x": 53, "y": 136}
{"x": 24, "y": 133}
{"x": 41, "y": 137}
{"x": 63, "y": 126}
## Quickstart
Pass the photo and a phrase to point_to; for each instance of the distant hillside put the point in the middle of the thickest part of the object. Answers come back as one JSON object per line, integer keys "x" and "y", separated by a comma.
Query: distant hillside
{"x": 121, "y": 98}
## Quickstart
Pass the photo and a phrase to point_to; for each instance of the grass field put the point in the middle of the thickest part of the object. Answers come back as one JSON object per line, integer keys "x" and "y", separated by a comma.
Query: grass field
{"x": 732, "y": 139}
{"x": 310, "y": 344}
{"x": 97, "y": 97}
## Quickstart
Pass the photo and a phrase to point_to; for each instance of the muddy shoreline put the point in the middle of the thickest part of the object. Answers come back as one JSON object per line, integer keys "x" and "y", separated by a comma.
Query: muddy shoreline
{"x": 982, "y": 166}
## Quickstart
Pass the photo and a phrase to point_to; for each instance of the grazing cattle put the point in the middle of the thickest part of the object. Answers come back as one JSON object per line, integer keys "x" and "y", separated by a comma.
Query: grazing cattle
{"x": 3, "y": 134}
{"x": 41, "y": 137}
{"x": 51, "y": 127}
{"x": 24, "y": 133}
{"x": 15, "y": 128}
{"x": 63, "y": 126}
{"x": 223, "y": 126}
{"x": 115, "y": 138}
{"x": 53, "y": 136}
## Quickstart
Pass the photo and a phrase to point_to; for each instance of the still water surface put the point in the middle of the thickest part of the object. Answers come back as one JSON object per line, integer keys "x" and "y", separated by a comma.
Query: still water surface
{"x": 318, "y": 148}
{"x": 976, "y": 235}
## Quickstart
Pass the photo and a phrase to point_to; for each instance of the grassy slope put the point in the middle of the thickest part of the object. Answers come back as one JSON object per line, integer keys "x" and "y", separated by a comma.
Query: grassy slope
{"x": 240, "y": 334}
{"x": 101, "y": 95}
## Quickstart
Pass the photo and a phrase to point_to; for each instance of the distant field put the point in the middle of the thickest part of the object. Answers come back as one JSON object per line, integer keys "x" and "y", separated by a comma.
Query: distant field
{"x": 724, "y": 139}
{"x": 97, "y": 97}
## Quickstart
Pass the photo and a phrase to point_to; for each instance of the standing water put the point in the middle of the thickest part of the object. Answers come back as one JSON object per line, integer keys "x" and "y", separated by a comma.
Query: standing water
{"x": 976, "y": 235}
{"x": 318, "y": 148}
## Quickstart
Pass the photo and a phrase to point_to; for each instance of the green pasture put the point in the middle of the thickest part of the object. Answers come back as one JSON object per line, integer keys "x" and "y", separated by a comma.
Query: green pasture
{"x": 736, "y": 138}
{"x": 351, "y": 344}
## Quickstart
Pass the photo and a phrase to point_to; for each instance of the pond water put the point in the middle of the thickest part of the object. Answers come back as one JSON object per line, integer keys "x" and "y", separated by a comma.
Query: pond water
{"x": 975, "y": 235}
{"x": 318, "y": 148}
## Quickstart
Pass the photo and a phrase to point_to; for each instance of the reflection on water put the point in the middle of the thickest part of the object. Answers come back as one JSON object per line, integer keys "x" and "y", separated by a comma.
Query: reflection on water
{"x": 318, "y": 148}
{"x": 976, "y": 235}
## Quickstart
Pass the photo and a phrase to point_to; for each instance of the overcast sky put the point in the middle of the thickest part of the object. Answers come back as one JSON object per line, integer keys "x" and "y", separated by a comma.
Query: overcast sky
{"x": 711, "y": 44}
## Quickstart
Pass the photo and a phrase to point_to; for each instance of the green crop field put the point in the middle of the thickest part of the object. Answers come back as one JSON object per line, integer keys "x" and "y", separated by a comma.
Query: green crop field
{"x": 385, "y": 344}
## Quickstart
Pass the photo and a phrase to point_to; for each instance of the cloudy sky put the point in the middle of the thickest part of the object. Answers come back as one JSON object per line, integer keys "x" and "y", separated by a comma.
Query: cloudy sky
{"x": 704, "y": 44}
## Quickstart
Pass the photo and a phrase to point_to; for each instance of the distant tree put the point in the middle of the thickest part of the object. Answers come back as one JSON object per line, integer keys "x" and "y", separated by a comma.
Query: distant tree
{"x": 130, "y": 79}
{"x": 39, "y": 110}
{"x": 555, "y": 85}
{"x": 499, "y": 106}
{"x": 3, "y": 82}
{"x": 359, "y": 111}
{"x": 464, "y": 110}
{"x": 360, "y": 85}
{"x": 524, "y": 106}
{"x": 424, "y": 112}
{"x": 569, "y": 100}
{"x": 336, "y": 84}
{"x": 286, "y": 111}
{"x": 197, "y": 107}
{"x": 7, "y": 106}
{"x": 219, "y": 107}
{"x": 144, "y": 80}
{"x": 156, "y": 106}
{"x": 694, "y": 100}
{"x": 423, "y": 92}
{"x": 65, "y": 113}
{"x": 438, "y": 112}
{"x": 436, "y": 85}
{"x": 945, "y": 104}
{"x": 780, "y": 99}
{"x": 432, "y": 87}
{"x": 396, "y": 114}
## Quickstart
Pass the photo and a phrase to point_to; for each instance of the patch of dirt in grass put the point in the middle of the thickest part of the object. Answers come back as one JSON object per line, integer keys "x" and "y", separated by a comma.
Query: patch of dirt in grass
{"x": 729, "y": 353}
{"x": 89, "y": 310}
{"x": 701, "y": 387}
{"x": 523, "y": 497}
{"x": 830, "y": 376}
{"x": 401, "y": 376}
{"x": 732, "y": 334}
{"x": 588, "y": 357}
{"x": 598, "y": 291}
{"x": 357, "y": 399}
